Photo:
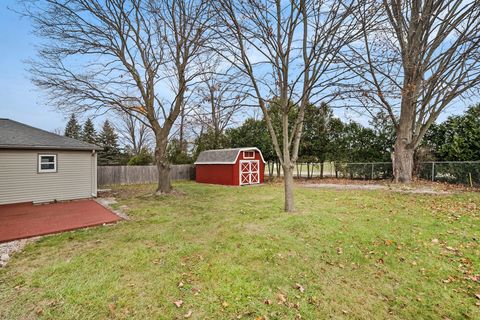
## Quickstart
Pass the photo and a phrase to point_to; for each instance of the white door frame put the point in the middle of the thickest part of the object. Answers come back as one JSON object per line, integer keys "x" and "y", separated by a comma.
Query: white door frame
{"x": 249, "y": 172}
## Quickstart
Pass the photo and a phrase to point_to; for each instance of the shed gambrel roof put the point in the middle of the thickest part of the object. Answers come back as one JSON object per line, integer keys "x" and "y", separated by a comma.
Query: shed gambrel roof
{"x": 16, "y": 135}
{"x": 223, "y": 156}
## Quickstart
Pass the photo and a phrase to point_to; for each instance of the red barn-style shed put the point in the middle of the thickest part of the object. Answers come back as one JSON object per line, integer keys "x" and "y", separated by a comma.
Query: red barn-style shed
{"x": 233, "y": 167}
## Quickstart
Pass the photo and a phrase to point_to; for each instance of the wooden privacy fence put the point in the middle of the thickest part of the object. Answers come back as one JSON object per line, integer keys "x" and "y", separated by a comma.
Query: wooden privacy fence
{"x": 141, "y": 174}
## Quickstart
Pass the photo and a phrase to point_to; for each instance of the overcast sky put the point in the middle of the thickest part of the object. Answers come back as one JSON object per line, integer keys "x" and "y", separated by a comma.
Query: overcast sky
{"x": 21, "y": 101}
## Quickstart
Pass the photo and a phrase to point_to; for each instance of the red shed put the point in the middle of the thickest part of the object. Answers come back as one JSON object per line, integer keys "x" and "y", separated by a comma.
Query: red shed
{"x": 234, "y": 167}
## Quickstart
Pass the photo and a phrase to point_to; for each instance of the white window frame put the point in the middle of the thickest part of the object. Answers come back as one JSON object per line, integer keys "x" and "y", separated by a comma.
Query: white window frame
{"x": 40, "y": 170}
{"x": 252, "y": 157}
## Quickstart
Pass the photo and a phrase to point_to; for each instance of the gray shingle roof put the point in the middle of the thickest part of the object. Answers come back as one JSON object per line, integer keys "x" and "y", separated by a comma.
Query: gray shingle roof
{"x": 16, "y": 135}
{"x": 226, "y": 156}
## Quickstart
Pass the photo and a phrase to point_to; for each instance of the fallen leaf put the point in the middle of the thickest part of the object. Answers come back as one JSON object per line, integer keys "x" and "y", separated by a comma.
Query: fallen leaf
{"x": 111, "y": 308}
{"x": 477, "y": 295}
{"x": 268, "y": 302}
{"x": 299, "y": 287}
{"x": 475, "y": 278}
{"x": 435, "y": 241}
{"x": 225, "y": 304}
{"x": 339, "y": 250}
{"x": 295, "y": 305}
{"x": 195, "y": 291}
{"x": 188, "y": 314}
{"x": 181, "y": 284}
{"x": 281, "y": 298}
{"x": 388, "y": 242}
{"x": 178, "y": 303}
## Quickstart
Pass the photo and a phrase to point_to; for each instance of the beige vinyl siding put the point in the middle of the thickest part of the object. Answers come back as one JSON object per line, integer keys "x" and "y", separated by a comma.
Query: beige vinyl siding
{"x": 20, "y": 180}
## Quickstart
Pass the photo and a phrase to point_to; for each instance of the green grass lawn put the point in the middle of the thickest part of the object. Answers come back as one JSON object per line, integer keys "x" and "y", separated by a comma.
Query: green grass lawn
{"x": 232, "y": 253}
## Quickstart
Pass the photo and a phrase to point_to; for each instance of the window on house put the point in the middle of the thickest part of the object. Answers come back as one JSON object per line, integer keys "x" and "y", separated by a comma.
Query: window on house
{"x": 47, "y": 163}
{"x": 248, "y": 154}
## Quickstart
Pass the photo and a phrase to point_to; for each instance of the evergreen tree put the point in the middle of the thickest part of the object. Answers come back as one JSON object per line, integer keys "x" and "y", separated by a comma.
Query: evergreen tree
{"x": 252, "y": 133}
{"x": 88, "y": 133}
{"x": 457, "y": 138}
{"x": 384, "y": 129}
{"x": 108, "y": 140}
{"x": 176, "y": 153}
{"x": 315, "y": 145}
{"x": 73, "y": 128}
{"x": 207, "y": 140}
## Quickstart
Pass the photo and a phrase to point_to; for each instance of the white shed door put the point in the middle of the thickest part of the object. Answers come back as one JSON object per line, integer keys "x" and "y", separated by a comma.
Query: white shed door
{"x": 249, "y": 172}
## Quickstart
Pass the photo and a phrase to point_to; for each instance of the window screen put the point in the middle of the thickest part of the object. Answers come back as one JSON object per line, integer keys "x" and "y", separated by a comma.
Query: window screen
{"x": 47, "y": 163}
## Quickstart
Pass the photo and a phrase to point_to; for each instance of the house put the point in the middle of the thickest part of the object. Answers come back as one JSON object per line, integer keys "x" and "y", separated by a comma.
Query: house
{"x": 233, "y": 167}
{"x": 39, "y": 166}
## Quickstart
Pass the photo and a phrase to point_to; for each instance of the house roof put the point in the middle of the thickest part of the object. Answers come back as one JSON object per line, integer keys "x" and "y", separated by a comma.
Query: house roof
{"x": 223, "y": 156}
{"x": 16, "y": 135}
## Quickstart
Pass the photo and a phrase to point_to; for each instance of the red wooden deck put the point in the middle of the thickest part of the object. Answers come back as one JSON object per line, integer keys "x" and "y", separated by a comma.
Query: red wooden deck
{"x": 25, "y": 220}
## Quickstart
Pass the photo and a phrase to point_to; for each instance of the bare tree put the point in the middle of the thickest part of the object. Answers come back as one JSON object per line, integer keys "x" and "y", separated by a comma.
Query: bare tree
{"x": 288, "y": 52}
{"x": 218, "y": 98}
{"x": 131, "y": 56}
{"x": 136, "y": 136}
{"x": 421, "y": 57}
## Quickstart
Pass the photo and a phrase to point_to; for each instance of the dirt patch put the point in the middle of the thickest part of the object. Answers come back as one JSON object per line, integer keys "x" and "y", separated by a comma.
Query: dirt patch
{"x": 344, "y": 186}
{"x": 417, "y": 186}
{"x": 341, "y": 181}
{"x": 395, "y": 188}
{"x": 422, "y": 190}
{"x": 136, "y": 190}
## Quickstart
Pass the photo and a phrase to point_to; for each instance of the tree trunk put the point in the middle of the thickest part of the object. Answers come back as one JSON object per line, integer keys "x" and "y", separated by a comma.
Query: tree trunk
{"x": 164, "y": 184}
{"x": 403, "y": 162}
{"x": 288, "y": 177}
{"x": 404, "y": 150}
{"x": 163, "y": 167}
{"x": 321, "y": 169}
{"x": 183, "y": 146}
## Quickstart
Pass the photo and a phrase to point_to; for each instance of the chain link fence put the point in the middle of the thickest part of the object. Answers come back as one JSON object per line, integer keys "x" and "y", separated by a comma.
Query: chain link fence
{"x": 457, "y": 172}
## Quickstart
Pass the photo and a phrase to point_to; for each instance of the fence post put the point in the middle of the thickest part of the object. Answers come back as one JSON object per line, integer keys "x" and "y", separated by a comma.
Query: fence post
{"x": 433, "y": 171}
